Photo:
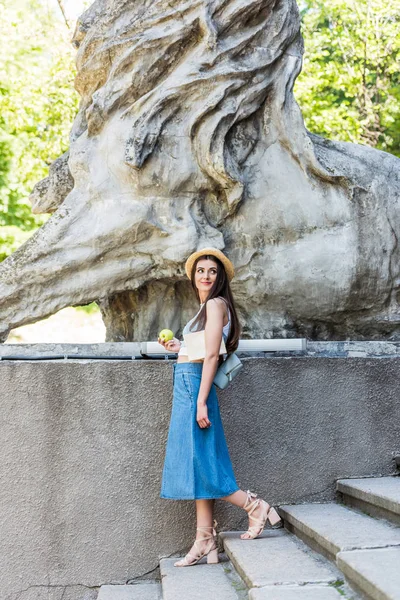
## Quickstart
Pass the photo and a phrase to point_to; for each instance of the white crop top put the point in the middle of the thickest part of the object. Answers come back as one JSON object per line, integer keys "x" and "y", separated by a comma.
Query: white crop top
{"x": 186, "y": 329}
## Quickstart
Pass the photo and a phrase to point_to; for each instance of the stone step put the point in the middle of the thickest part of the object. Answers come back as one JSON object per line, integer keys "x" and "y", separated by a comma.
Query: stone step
{"x": 137, "y": 591}
{"x": 200, "y": 582}
{"x": 375, "y": 572}
{"x": 332, "y": 528}
{"x": 378, "y": 496}
{"x": 278, "y": 566}
{"x": 307, "y": 592}
{"x": 354, "y": 541}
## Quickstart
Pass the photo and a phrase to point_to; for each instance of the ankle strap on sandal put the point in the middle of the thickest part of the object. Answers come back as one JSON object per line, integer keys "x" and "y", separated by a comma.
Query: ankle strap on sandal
{"x": 213, "y": 527}
{"x": 250, "y": 505}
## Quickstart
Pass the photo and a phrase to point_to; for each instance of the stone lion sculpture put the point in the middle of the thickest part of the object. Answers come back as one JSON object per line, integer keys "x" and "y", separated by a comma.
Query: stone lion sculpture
{"x": 188, "y": 135}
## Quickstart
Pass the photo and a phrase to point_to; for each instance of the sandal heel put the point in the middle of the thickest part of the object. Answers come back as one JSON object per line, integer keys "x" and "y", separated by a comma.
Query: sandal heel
{"x": 273, "y": 517}
{"x": 212, "y": 557}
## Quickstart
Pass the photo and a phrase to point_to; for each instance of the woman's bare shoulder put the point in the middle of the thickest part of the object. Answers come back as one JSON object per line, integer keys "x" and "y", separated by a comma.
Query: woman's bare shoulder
{"x": 222, "y": 299}
{"x": 216, "y": 303}
{"x": 223, "y": 302}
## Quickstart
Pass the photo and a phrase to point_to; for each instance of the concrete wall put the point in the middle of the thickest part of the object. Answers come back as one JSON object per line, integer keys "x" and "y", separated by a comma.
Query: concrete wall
{"x": 82, "y": 449}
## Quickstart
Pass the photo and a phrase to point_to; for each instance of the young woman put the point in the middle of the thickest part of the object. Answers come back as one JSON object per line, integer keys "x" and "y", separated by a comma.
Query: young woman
{"x": 197, "y": 464}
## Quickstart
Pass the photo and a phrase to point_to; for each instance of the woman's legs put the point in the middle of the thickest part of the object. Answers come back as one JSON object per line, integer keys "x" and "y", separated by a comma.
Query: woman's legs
{"x": 204, "y": 512}
{"x": 239, "y": 499}
{"x": 204, "y": 518}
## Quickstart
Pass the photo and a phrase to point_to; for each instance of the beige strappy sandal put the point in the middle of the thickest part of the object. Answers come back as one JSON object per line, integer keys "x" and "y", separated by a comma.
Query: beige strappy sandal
{"x": 269, "y": 513}
{"x": 211, "y": 549}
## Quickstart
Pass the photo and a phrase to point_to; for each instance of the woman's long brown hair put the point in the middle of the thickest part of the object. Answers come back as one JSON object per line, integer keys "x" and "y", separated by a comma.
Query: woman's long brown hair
{"x": 222, "y": 288}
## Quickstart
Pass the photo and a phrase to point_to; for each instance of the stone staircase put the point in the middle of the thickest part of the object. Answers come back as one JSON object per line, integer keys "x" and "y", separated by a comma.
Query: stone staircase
{"x": 365, "y": 547}
{"x": 331, "y": 551}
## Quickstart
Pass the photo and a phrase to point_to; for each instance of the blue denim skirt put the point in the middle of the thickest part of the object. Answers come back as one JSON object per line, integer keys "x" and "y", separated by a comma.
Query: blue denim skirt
{"x": 197, "y": 463}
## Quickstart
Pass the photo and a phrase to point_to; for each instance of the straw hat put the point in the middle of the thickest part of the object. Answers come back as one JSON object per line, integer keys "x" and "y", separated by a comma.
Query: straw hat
{"x": 214, "y": 252}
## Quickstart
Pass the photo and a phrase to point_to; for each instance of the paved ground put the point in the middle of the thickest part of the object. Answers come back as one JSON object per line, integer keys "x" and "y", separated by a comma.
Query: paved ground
{"x": 69, "y": 325}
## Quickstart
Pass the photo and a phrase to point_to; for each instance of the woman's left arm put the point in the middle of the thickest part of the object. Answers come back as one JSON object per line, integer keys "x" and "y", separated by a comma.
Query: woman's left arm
{"x": 213, "y": 337}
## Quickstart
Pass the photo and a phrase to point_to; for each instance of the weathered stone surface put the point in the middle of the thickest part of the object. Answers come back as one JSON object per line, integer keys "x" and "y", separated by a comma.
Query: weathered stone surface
{"x": 197, "y": 583}
{"x": 188, "y": 135}
{"x": 289, "y": 347}
{"x": 379, "y": 495}
{"x": 308, "y": 592}
{"x": 48, "y": 194}
{"x": 336, "y": 528}
{"x": 376, "y": 572}
{"x": 53, "y": 592}
{"x": 79, "y": 350}
{"x": 139, "y": 591}
{"x": 276, "y": 558}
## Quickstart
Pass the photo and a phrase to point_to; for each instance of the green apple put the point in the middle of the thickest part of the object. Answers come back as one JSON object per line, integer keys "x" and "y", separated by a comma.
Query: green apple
{"x": 165, "y": 335}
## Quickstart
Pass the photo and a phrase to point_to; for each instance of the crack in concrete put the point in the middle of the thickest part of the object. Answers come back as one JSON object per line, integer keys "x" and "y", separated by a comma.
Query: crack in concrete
{"x": 149, "y": 572}
{"x": 17, "y": 595}
{"x": 392, "y": 256}
{"x": 354, "y": 548}
{"x": 300, "y": 585}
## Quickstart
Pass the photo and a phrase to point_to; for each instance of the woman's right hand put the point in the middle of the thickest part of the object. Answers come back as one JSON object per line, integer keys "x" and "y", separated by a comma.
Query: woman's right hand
{"x": 172, "y": 345}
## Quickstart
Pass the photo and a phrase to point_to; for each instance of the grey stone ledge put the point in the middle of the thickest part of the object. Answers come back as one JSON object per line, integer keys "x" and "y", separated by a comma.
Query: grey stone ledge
{"x": 384, "y": 492}
{"x": 354, "y": 349}
{"x": 195, "y": 583}
{"x": 337, "y": 349}
{"x": 335, "y": 528}
{"x": 304, "y": 592}
{"x": 375, "y": 572}
{"x": 102, "y": 350}
{"x": 139, "y": 591}
{"x": 276, "y": 558}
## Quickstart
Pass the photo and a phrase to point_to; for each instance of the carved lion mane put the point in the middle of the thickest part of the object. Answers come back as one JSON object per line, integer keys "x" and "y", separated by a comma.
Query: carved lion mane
{"x": 206, "y": 65}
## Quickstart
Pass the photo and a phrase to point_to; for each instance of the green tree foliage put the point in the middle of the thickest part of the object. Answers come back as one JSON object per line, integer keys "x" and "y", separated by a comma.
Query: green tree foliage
{"x": 37, "y": 106}
{"x": 350, "y": 85}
